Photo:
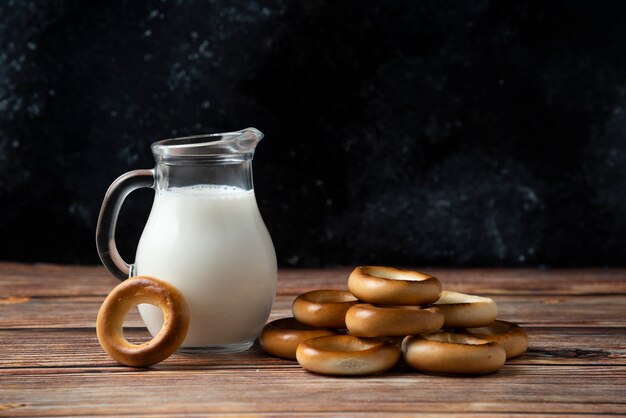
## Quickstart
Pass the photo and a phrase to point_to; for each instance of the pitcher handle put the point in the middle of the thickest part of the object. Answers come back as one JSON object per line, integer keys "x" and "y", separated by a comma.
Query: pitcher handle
{"x": 107, "y": 220}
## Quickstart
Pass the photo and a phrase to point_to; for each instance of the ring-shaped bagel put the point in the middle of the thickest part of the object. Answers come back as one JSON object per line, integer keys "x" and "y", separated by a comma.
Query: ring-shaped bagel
{"x": 281, "y": 337}
{"x": 509, "y": 335}
{"x": 466, "y": 311}
{"x": 323, "y": 308}
{"x": 392, "y": 286}
{"x": 128, "y": 294}
{"x": 347, "y": 355}
{"x": 449, "y": 353}
{"x": 366, "y": 320}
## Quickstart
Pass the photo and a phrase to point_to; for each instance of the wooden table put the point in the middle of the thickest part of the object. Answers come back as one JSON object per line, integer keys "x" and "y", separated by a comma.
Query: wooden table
{"x": 51, "y": 362}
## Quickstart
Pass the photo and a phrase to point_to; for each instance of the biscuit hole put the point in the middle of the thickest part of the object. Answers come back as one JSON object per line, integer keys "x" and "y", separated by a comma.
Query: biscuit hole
{"x": 134, "y": 330}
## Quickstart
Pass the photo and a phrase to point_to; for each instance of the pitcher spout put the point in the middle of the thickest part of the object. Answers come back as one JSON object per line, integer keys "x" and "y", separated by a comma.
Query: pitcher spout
{"x": 221, "y": 147}
{"x": 247, "y": 138}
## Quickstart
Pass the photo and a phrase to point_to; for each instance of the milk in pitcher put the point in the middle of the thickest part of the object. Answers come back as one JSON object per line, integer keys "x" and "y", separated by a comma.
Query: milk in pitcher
{"x": 211, "y": 243}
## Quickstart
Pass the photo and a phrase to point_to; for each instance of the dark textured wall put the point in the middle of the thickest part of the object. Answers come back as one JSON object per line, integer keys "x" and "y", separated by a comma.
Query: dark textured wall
{"x": 398, "y": 132}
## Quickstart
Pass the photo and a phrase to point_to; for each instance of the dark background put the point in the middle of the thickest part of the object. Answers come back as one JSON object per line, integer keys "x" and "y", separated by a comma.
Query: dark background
{"x": 397, "y": 132}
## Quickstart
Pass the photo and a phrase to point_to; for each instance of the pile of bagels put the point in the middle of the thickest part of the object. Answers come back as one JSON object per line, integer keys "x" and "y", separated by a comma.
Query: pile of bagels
{"x": 390, "y": 313}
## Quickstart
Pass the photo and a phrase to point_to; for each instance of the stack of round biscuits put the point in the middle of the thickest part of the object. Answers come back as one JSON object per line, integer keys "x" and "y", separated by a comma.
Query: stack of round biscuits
{"x": 388, "y": 313}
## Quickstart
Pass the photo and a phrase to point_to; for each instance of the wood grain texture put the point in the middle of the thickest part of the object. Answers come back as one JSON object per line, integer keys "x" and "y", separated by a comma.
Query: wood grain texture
{"x": 554, "y": 310}
{"x": 51, "y": 362}
{"x": 52, "y": 280}
{"x": 516, "y": 388}
{"x": 80, "y": 348}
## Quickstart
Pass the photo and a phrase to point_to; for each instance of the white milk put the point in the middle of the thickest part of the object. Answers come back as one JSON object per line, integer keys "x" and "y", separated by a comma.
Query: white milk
{"x": 211, "y": 243}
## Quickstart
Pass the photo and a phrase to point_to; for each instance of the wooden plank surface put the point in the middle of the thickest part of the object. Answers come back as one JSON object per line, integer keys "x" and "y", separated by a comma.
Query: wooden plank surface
{"x": 81, "y": 311}
{"x": 80, "y": 348}
{"x": 51, "y": 363}
{"x": 53, "y": 280}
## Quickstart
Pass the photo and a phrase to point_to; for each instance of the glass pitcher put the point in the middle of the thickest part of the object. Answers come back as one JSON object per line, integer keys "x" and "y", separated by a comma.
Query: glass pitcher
{"x": 204, "y": 235}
